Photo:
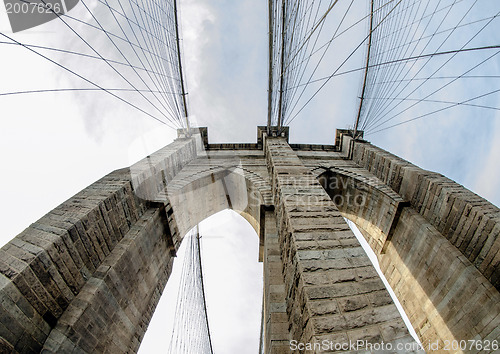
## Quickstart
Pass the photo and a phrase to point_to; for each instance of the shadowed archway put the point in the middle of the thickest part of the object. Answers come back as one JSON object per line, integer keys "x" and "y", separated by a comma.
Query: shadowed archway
{"x": 233, "y": 286}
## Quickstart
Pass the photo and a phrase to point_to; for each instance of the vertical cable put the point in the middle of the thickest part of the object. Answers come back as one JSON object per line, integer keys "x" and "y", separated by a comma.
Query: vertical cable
{"x": 282, "y": 76}
{"x": 270, "y": 74}
{"x": 366, "y": 72}
{"x": 183, "y": 92}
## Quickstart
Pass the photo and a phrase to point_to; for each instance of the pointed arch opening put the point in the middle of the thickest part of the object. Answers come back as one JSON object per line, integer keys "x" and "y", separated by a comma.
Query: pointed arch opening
{"x": 233, "y": 284}
{"x": 225, "y": 201}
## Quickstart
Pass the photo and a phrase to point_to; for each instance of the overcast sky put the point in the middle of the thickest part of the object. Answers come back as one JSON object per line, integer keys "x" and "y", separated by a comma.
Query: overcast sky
{"x": 54, "y": 144}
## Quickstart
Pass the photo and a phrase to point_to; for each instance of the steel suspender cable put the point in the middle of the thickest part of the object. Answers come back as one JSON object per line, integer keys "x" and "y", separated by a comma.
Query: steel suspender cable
{"x": 143, "y": 62}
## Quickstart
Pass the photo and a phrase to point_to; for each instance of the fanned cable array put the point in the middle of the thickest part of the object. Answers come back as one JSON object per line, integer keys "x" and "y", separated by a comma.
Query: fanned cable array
{"x": 427, "y": 58}
{"x": 413, "y": 58}
{"x": 127, "y": 49}
{"x": 310, "y": 43}
{"x": 191, "y": 332}
{"x": 294, "y": 27}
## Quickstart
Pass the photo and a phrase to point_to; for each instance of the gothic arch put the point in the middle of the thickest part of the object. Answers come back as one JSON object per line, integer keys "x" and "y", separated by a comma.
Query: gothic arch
{"x": 371, "y": 205}
{"x": 141, "y": 266}
{"x": 195, "y": 194}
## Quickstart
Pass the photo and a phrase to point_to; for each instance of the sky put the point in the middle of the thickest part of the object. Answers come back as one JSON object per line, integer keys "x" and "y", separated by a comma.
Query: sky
{"x": 54, "y": 144}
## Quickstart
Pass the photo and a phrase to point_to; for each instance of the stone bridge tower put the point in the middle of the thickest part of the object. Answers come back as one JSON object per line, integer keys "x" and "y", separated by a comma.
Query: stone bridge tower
{"x": 87, "y": 276}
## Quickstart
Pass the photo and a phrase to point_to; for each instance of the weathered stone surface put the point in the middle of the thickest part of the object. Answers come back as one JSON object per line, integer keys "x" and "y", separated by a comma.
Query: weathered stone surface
{"x": 87, "y": 276}
{"x": 468, "y": 221}
{"x": 114, "y": 307}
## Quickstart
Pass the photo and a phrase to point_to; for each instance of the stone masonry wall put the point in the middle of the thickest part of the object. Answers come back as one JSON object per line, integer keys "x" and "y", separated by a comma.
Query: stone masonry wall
{"x": 275, "y": 320}
{"x": 112, "y": 311}
{"x": 88, "y": 275}
{"x": 43, "y": 269}
{"x": 333, "y": 292}
{"x": 445, "y": 297}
